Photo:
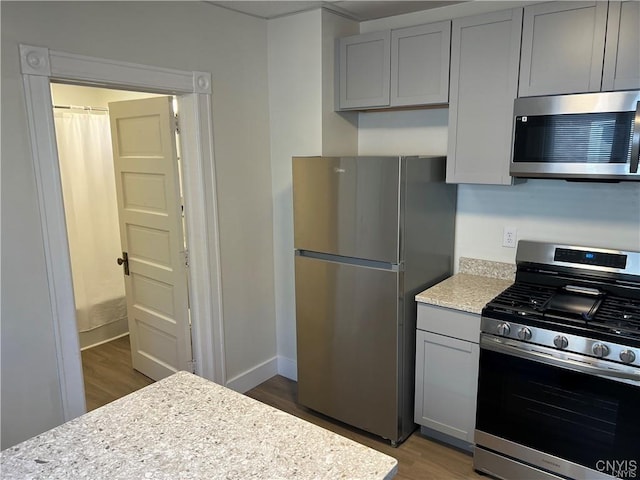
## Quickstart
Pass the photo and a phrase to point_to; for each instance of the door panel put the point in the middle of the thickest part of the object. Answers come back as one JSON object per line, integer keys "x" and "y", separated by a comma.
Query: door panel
{"x": 153, "y": 295}
{"x": 150, "y": 244}
{"x": 150, "y": 216}
{"x": 144, "y": 191}
{"x": 347, "y": 206}
{"x": 347, "y": 340}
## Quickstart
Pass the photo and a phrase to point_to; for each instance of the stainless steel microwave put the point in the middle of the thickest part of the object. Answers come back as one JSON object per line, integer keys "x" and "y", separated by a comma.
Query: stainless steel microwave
{"x": 587, "y": 136}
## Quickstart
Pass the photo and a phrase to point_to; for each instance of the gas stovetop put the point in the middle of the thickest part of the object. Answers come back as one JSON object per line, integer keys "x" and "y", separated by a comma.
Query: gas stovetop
{"x": 552, "y": 306}
{"x": 578, "y": 299}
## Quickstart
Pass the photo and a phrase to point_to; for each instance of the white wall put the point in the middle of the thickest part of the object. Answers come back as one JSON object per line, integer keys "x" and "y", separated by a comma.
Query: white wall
{"x": 339, "y": 130}
{"x": 410, "y": 132}
{"x": 295, "y": 115}
{"x": 303, "y": 123}
{"x": 589, "y": 214}
{"x": 181, "y": 35}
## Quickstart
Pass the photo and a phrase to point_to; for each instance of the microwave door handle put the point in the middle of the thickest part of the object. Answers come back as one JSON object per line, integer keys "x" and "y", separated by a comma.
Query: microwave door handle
{"x": 635, "y": 146}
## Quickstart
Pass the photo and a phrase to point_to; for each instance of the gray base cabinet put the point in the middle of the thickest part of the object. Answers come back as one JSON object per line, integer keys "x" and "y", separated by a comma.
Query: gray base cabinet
{"x": 447, "y": 354}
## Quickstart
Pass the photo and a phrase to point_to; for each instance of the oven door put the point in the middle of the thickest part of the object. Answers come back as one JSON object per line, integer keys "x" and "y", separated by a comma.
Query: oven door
{"x": 569, "y": 414}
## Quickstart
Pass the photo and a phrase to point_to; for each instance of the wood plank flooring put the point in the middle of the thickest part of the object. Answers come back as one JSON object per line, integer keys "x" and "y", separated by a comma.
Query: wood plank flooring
{"x": 418, "y": 457}
{"x": 108, "y": 374}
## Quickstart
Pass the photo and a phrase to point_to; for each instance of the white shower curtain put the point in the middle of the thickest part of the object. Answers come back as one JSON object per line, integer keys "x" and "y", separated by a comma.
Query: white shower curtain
{"x": 88, "y": 183}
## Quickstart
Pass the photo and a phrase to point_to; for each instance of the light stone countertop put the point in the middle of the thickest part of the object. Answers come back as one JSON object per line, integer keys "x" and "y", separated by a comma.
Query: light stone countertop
{"x": 478, "y": 282}
{"x": 186, "y": 427}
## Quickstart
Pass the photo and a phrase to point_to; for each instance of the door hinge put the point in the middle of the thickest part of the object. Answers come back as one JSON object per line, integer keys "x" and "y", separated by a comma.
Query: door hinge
{"x": 177, "y": 124}
{"x": 191, "y": 365}
{"x": 186, "y": 258}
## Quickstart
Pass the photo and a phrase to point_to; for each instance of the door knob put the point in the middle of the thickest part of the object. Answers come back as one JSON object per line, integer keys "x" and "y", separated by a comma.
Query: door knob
{"x": 124, "y": 261}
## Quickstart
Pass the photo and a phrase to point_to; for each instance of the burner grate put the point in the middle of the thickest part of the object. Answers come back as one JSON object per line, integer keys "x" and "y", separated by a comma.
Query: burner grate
{"x": 621, "y": 315}
{"x": 524, "y": 297}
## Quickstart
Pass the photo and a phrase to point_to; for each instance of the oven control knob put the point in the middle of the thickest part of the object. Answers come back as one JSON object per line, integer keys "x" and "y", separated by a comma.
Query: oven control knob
{"x": 600, "y": 350}
{"x": 561, "y": 341}
{"x": 524, "y": 333}
{"x": 627, "y": 356}
{"x": 504, "y": 329}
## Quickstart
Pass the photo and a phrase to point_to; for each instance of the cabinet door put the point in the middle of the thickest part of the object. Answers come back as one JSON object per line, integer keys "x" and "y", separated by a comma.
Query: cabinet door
{"x": 562, "y": 48}
{"x": 364, "y": 70}
{"x": 485, "y": 53}
{"x": 446, "y": 384}
{"x": 420, "y": 64}
{"x": 622, "y": 51}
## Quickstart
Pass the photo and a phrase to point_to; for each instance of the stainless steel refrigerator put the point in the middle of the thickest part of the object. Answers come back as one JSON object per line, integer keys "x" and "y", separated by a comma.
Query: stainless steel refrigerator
{"x": 369, "y": 234}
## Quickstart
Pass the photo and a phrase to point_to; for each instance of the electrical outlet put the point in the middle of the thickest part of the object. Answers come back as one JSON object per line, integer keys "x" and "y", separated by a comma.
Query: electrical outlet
{"x": 510, "y": 237}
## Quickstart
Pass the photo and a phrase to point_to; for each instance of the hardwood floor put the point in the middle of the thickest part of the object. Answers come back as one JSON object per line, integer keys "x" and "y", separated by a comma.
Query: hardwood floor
{"x": 418, "y": 457}
{"x": 108, "y": 374}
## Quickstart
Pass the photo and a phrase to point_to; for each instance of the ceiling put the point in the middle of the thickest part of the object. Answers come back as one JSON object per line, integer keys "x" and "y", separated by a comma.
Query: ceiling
{"x": 356, "y": 10}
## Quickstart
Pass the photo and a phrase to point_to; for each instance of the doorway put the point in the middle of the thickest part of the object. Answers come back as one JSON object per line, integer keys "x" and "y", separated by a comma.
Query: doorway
{"x": 86, "y": 161}
{"x": 40, "y": 66}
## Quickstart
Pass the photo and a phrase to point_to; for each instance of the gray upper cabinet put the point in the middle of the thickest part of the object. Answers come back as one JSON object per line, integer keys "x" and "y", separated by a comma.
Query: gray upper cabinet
{"x": 420, "y": 64}
{"x": 563, "y": 45}
{"x": 364, "y": 70}
{"x": 408, "y": 66}
{"x": 485, "y": 53}
{"x": 622, "y": 53}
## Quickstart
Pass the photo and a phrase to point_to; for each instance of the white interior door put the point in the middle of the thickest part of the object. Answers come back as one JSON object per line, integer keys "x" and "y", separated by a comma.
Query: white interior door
{"x": 151, "y": 233}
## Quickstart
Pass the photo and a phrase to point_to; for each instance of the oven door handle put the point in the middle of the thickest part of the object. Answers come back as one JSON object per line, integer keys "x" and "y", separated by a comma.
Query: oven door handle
{"x": 549, "y": 356}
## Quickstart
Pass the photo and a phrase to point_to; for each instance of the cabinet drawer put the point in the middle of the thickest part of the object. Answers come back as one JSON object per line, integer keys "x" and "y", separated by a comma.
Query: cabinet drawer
{"x": 449, "y": 322}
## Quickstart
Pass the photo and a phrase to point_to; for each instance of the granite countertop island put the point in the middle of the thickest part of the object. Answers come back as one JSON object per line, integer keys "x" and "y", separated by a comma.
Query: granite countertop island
{"x": 186, "y": 427}
{"x": 477, "y": 282}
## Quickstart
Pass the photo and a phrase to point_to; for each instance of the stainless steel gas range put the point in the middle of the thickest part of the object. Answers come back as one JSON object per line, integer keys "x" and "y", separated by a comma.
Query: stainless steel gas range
{"x": 559, "y": 376}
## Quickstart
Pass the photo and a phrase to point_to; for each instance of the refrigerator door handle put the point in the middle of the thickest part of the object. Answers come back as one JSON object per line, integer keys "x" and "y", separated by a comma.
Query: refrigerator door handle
{"x": 360, "y": 262}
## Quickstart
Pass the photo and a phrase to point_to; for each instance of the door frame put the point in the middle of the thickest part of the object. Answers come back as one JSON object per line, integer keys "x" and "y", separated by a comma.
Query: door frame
{"x": 39, "y": 66}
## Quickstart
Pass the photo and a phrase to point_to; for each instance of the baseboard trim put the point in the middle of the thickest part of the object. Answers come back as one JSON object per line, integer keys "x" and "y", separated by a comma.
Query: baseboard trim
{"x": 103, "y": 334}
{"x": 443, "y": 437}
{"x": 254, "y": 376}
{"x": 288, "y": 367}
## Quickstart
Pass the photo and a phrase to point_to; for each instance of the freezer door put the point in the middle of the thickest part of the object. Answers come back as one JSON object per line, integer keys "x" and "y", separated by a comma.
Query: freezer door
{"x": 347, "y": 341}
{"x": 347, "y": 206}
